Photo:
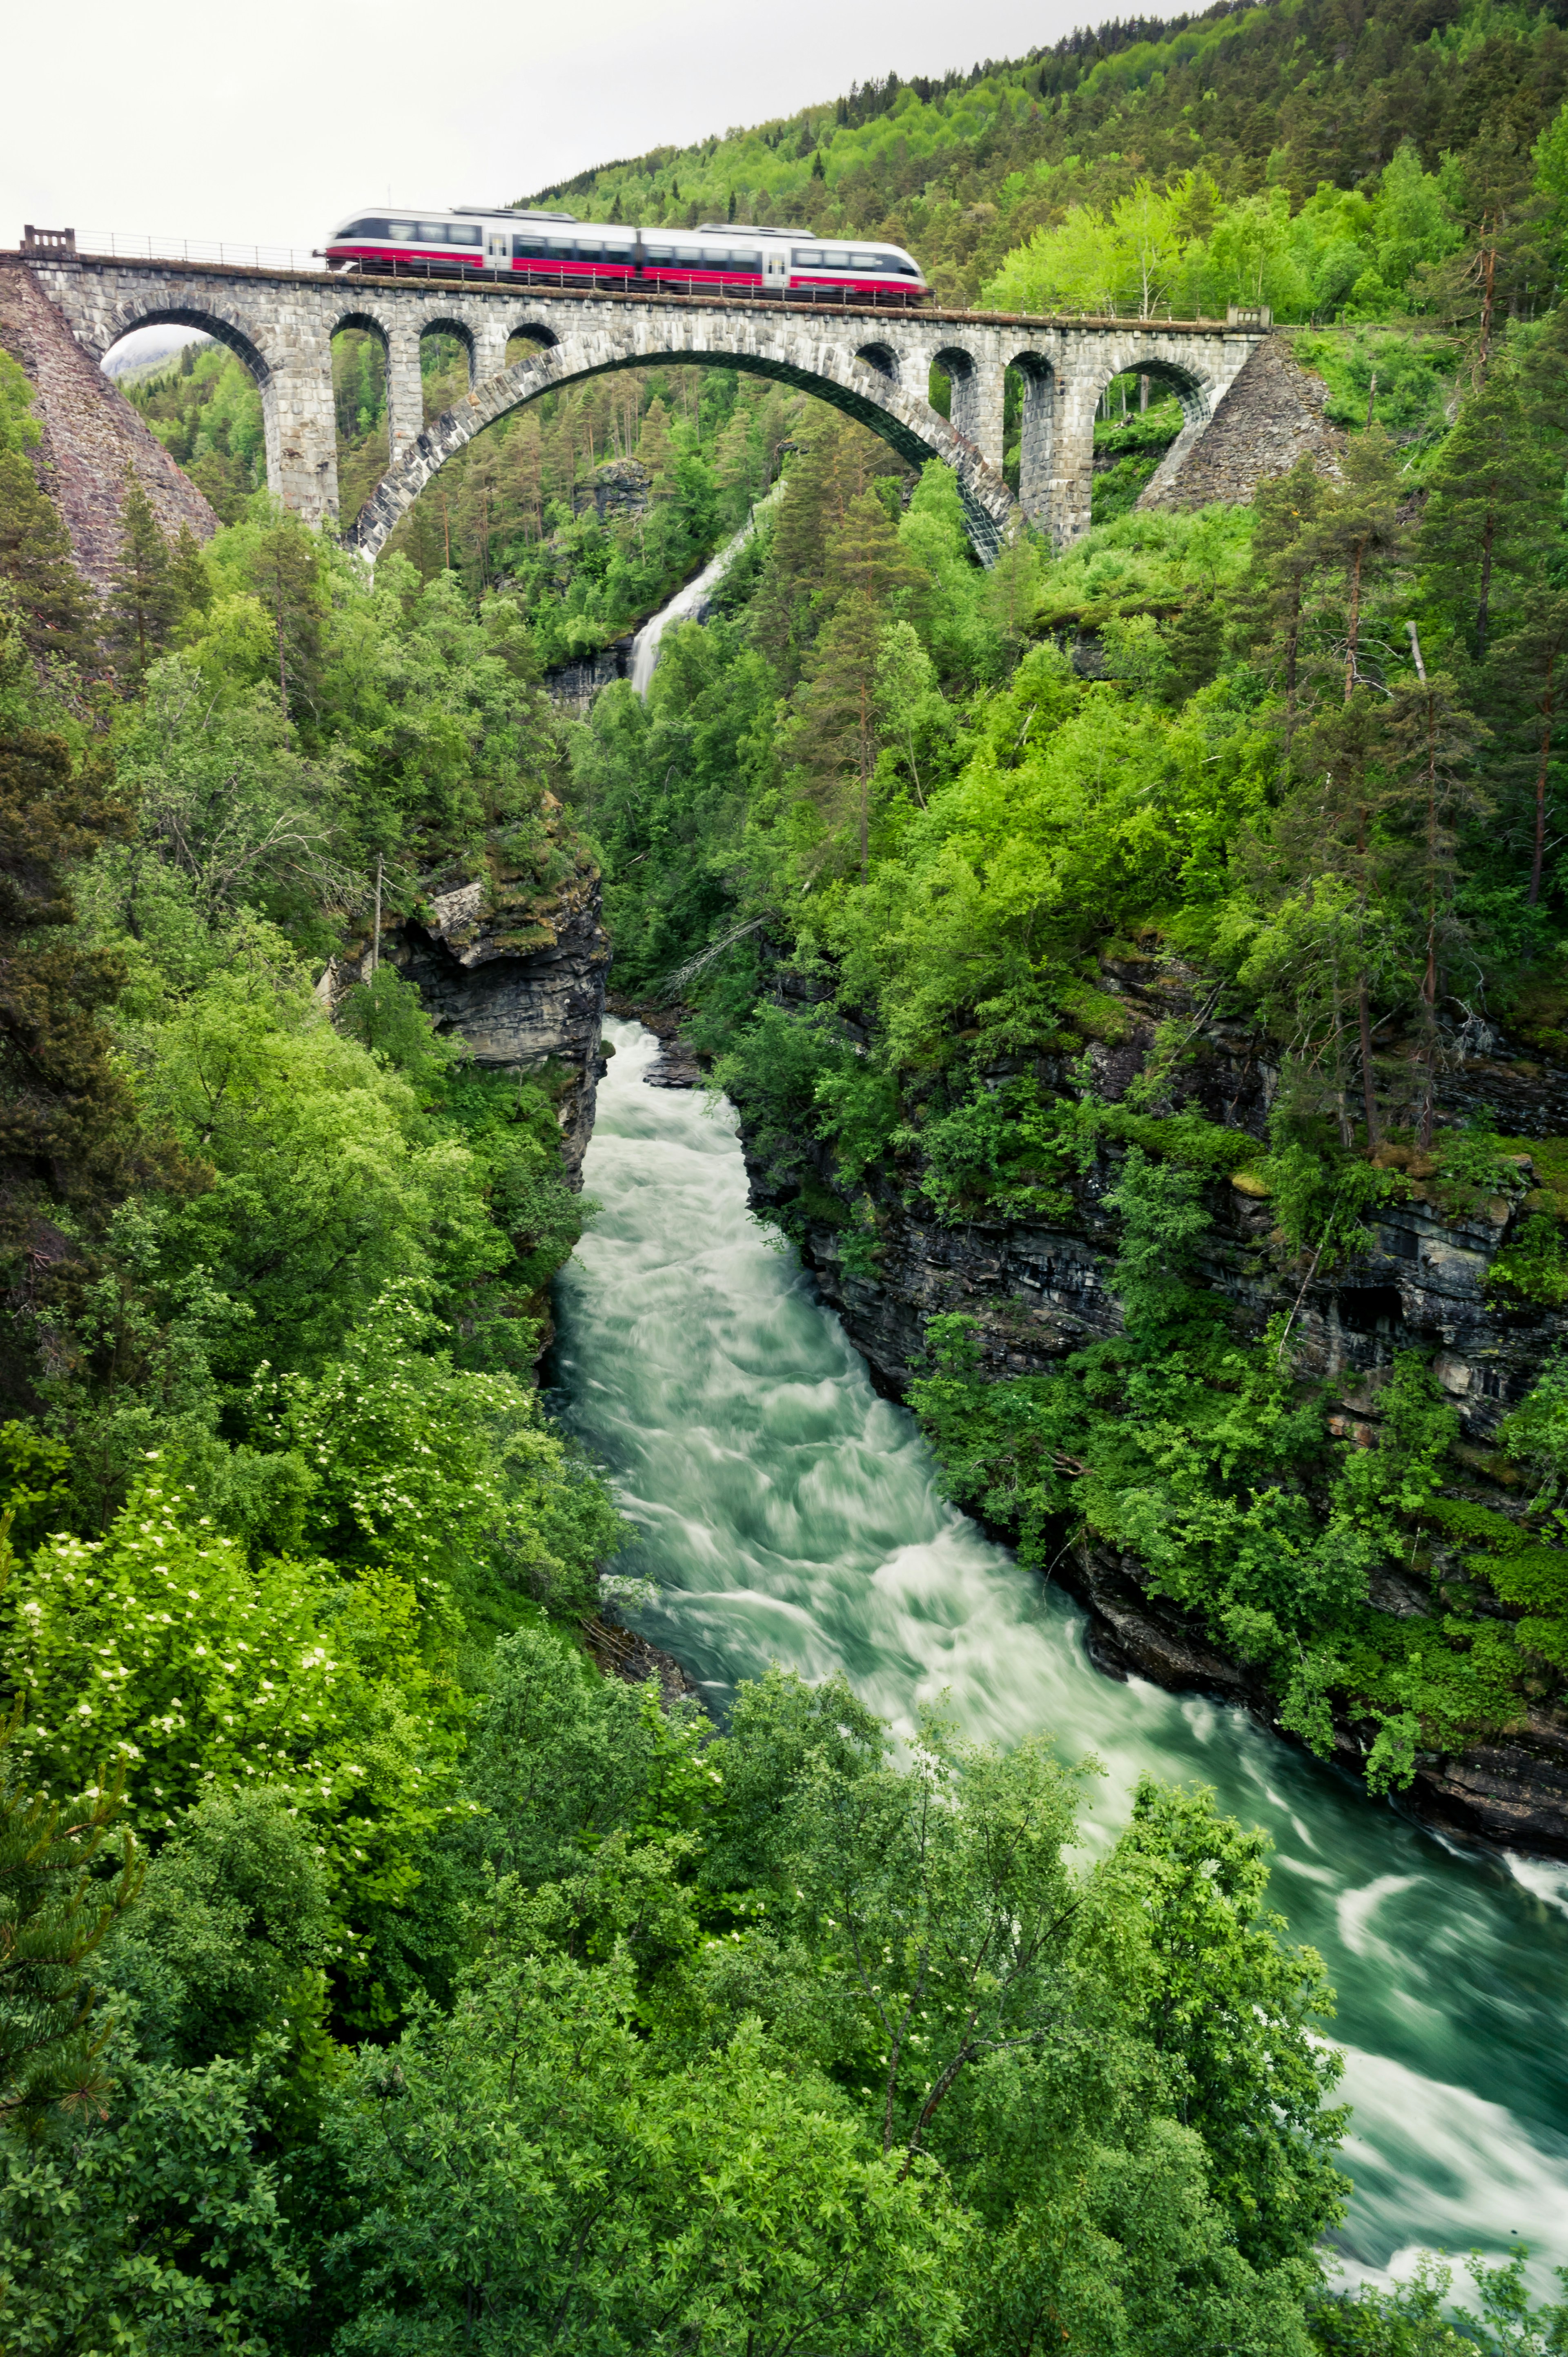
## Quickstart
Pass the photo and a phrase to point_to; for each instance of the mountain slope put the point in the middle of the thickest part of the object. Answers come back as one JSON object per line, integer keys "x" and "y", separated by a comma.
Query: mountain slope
{"x": 962, "y": 170}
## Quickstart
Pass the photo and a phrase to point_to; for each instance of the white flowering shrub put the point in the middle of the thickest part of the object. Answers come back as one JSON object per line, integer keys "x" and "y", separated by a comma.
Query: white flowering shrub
{"x": 160, "y": 1653}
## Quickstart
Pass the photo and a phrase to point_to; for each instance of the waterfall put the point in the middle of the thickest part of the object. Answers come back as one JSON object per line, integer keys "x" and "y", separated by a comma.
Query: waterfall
{"x": 687, "y": 601}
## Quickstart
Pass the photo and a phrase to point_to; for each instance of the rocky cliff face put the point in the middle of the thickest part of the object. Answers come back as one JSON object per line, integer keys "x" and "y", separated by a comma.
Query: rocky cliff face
{"x": 514, "y": 960}
{"x": 1037, "y": 1291}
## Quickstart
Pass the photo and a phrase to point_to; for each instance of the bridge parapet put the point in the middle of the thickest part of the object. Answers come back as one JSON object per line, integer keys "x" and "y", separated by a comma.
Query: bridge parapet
{"x": 874, "y": 364}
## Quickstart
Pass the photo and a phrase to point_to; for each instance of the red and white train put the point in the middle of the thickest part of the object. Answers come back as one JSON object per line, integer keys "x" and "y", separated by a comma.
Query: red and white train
{"x": 558, "y": 250}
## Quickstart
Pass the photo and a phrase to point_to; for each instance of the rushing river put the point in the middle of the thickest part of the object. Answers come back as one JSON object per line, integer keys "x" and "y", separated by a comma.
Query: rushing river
{"x": 789, "y": 1514}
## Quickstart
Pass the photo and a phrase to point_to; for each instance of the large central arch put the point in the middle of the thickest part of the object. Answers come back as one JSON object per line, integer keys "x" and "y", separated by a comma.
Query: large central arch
{"x": 848, "y": 380}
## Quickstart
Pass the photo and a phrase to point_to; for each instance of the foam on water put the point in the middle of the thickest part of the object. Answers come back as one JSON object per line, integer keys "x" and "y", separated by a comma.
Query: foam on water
{"x": 786, "y": 1512}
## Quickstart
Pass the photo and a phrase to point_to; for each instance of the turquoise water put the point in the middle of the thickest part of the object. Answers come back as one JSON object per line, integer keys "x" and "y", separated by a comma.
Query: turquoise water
{"x": 787, "y": 1512}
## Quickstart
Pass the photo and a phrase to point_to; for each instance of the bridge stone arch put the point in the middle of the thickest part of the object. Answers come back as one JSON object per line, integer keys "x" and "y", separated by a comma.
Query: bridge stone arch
{"x": 210, "y": 319}
{"x": 882, "y": 359}
{"x": 292, "y": 372}
{"x": 280, "y": 325}
{"x": 1198, "y": 372}
{"x": 830, "y": 370}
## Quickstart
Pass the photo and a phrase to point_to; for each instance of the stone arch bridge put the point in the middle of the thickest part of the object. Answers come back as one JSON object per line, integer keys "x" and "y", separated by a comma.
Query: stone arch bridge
{"x": 872, "y": 365}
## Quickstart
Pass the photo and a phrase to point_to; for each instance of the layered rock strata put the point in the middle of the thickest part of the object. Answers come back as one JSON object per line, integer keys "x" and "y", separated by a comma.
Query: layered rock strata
{"x": 514, "y": 960}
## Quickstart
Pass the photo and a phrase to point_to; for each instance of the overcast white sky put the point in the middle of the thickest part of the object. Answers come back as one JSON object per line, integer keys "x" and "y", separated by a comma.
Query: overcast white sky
{"x": 269, "y": 122}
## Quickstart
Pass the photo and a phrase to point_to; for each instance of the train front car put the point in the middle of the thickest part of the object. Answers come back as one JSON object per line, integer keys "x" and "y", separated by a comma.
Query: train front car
{"x": 555, "y": 250}
{"x": 832, "y": 271}
{"x": 382, "y": 243}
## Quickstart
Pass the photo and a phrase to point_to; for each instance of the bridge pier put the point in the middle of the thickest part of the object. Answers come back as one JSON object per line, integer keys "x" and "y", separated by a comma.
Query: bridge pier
{"x": 874, "y": 365}
{"x": 300, "y": 429}
{"x": 405, "y": 388}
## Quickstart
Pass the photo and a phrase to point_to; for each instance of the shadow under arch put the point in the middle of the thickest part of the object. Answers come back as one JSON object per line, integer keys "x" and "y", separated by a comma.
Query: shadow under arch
{"x": 460, "y": 334}
{"x": 902, "y": 419}
{"x": 207, "y": 320}
{"x": 1198, "y": 402}
{"x": 1037, "y": 433}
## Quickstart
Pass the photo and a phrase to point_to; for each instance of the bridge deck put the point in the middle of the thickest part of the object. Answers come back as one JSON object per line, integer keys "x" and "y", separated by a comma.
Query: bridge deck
{"x": 497, "y": 283}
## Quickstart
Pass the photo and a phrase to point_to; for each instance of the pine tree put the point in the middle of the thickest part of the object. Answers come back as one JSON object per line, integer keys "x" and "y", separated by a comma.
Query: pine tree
{"x": 1327, "y": 827}
{"x": 191, "y": 581}
{"x": 1481, "y": 536}
{"x": 56, "y": 1906}
{"x": 1355, "y": 541}
{"x": 1530, "y": 674}
{"x": 51, "y": 601}
{"x": 144, "y": 602}
{"x": 287, "y": 572}
{"x": 656, "y": 443}
{"x": 1433, "y": 739}
{"x": 1283, "y": 560}
{"x": 836, "y": 742}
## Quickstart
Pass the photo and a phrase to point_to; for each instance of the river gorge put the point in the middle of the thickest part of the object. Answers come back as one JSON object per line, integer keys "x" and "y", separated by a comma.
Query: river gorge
{"x": 786, "y": 1511}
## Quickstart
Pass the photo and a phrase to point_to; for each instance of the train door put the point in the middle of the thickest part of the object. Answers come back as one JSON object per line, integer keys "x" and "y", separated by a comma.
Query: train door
{"x": 775, "y": 268}
{"x": 498, "y": 249}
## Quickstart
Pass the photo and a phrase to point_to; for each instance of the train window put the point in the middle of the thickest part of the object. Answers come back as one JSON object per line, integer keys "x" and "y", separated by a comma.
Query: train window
{"x": 403, "y": 233}
{"x": 744, "y": 258}
{"x": 454, "y": 233}
{"x": 659, "y": 252}
{"x": 589, "y": 249}
{"x": 865, "y": 261}
{"x": 809, "y": 257}
{"x": 367, "y": 229}
{"x": 530, "y": 249}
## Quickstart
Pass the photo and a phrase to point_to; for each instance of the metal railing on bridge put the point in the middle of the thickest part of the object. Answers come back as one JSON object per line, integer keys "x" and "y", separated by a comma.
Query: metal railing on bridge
{"x": 115, "y": 245}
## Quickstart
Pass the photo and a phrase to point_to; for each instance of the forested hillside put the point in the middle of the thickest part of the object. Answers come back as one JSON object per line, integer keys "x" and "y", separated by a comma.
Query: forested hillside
{"x": 375, "y": 1974}
{"x": 1245, "y": 114}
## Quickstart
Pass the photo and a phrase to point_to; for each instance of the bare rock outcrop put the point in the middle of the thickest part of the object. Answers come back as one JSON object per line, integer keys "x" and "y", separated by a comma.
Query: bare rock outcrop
{"x": 91, "y": 434}
{"x": 1271, "y": 415}
{"x": 514, "y": 960}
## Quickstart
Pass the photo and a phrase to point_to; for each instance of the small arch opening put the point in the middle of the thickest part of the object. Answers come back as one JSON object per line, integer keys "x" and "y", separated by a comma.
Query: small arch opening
{"x": 1028, "y": 419}
{"x": 881, "y": 359}
{"x": 951, "y": 372}
{"x": 526, "y": 342}
{"x": 1138, "y": 418}
{"x": 359, "y": 408}
{"x": 198, "y": 382}
{"x": 446, "y": 365}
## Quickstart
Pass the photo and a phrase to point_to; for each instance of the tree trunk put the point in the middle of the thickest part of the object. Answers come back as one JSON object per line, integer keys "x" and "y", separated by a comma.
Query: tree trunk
{"x": 1489, "y": 533}
{"x": 1538, "y": 851}
{"x": 1369, "y": 1083}
{"x": 1488, "y": 284}
{"x": 1353, "y": 633}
